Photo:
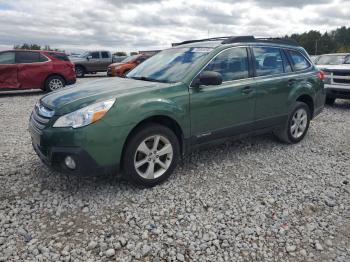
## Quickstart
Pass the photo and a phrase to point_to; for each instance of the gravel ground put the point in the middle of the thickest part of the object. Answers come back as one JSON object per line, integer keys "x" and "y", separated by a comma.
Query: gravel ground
{"x": 248, "y": 200}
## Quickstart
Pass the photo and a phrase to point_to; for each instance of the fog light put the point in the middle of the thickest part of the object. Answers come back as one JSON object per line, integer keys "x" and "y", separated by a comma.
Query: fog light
{"x": 69, "y": 162}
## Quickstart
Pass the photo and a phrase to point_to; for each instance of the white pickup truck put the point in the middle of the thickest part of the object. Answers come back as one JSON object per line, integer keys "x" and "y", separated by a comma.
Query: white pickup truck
{"x": 337, "y": 75}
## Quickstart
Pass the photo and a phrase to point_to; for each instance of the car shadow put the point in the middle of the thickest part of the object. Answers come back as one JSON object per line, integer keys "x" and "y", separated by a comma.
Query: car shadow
{"x": 93, "y": 184}
{"x": 93, "y": 76}
{"x": 22, "y": 93}
{"x": 342, "y": 104}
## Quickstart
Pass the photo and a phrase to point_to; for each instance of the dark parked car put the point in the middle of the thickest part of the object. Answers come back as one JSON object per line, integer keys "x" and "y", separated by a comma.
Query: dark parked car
{"x": 28, "y": 69}
{"x": 92, "y": 62}
{"x": 195, "y": 93}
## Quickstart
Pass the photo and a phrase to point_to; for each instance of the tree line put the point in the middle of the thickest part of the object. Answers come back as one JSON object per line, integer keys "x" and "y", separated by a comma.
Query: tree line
{"x": 35, "y": 47}
{"x": 314, "y": 42}
{"x": 27, "y": 46}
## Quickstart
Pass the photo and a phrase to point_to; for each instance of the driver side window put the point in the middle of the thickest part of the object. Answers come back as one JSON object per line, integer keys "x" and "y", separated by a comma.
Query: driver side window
{"x": 95, "y": 55}
{"x": 232, "y": 64}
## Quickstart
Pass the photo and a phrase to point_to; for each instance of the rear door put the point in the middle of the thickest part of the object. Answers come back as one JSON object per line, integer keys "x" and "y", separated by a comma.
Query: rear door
{"x": 33, "y": 69}
{"x": 273, "y": 79}
{"x": 8, "y": 71}
{"x": 106, "y": 60}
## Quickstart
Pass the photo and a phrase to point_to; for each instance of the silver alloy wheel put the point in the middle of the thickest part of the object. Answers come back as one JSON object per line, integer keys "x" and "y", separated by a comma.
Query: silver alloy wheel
{"x": 153, "y": 157}
{"x": 299, "y": 123}
{"x": 55, "y": 84}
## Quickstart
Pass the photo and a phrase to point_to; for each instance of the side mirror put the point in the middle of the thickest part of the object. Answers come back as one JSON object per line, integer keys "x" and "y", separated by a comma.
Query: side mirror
{"x": 89, "y": 57}
{"x": 209, "y": 78}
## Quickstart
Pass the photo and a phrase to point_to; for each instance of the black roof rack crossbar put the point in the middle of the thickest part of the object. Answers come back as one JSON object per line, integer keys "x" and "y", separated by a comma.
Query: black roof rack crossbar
{"x": 201, "y": 40}
{"x": 242, "y": 39}
{"x": 238, "y": 39}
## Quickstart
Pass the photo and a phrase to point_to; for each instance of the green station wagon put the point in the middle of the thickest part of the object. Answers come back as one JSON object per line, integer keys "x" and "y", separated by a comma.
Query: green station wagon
{"x": 194, "y": 93}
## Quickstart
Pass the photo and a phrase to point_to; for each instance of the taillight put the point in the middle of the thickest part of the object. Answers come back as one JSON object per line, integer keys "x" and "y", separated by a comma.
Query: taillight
{"x": 321, "y": 75}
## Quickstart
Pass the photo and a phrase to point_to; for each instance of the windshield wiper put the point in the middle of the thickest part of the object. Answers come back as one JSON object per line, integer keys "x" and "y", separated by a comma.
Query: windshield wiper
{"x": 144, "y": 78}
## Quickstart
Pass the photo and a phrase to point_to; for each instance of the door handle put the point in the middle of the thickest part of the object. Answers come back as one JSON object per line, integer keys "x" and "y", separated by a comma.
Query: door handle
{"x": 247, "y": 90}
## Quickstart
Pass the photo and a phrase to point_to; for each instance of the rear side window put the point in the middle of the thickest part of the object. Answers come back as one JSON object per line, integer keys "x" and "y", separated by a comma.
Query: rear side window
{"x": 299, "y": 61}
{"x": 7, "y": 58}
{"x": 27, "y": 57}
{"x": 95, "y": 55}
{"x": 232, "y": 64}
{"x": 268, "y": 61}
{"x": 60, "y": 56}
{"x": 105, "y": 54}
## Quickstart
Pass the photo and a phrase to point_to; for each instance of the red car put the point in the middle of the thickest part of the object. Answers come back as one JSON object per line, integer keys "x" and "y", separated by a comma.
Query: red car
{"x": 28, "y": 69}
{"x": 128, "y": 64}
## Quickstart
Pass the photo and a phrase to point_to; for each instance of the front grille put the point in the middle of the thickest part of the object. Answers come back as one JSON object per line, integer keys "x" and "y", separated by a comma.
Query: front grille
{"x": 339, "y": 77}
{"x": 40, "y": 118}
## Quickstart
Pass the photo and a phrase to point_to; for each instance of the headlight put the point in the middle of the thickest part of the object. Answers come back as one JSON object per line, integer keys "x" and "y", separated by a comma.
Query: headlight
{"x": 85, "y": 115}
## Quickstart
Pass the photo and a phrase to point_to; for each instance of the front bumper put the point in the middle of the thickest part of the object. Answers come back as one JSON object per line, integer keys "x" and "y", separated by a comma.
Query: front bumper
{"x": 337, "y": 91}
{"x": 85, "y": 164}
{"x": 95, "y": 148}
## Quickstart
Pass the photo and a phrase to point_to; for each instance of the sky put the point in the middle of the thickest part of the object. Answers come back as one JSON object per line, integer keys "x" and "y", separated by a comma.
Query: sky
{"x": 133, "y": 25}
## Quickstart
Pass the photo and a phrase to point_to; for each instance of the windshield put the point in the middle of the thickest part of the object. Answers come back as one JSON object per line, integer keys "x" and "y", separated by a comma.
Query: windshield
{"x": 331, "y": 60}
{"x": 130, "y": 58}
{"x": 85, "y": 54}
{"x": 169, "y": 66}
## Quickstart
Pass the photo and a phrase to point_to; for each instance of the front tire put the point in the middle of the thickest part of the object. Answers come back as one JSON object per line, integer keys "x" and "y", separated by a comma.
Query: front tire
{"x": 297, "y": 124}
{"x": 54, "y": 83}
{"x": 151, "y": 155}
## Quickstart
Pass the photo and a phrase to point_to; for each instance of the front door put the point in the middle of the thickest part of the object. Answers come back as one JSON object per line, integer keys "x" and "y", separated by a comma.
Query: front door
{"x": 226, "y": 109}
{"x": 8, "y": 71}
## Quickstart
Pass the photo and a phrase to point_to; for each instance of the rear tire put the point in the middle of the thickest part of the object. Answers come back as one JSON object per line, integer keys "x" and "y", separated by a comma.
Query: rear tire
{"x": 79, "y": 71}
{"x": 150, "y": 155}
{"x": 330, "y": 101}
{"x": 297, "y": 124}
{"x": 54, "y": 83}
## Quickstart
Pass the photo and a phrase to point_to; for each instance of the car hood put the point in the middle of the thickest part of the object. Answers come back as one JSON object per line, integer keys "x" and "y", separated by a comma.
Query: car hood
{"x": 333, "y": 67}
{"x": 115, "y": 64}
{"x": 75, "y": 97}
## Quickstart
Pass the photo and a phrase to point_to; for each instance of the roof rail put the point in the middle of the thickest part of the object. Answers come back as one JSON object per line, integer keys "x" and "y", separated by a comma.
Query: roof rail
{"x": 201, "y": 40}
{"x": 237, "y": 39}
{"x": 240, "y": 39}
